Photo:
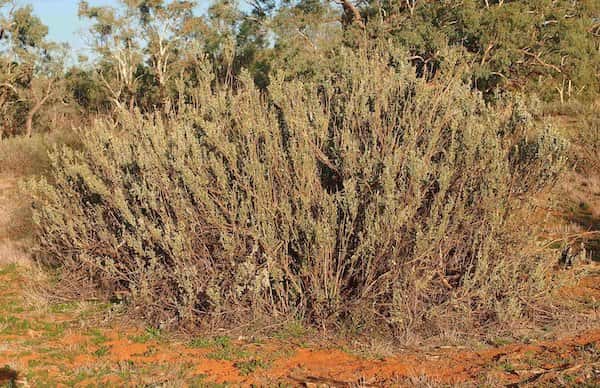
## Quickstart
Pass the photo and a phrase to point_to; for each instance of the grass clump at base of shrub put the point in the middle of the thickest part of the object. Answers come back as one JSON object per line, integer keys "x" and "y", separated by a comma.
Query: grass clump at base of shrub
{"x": 22, "y": 156}
{"x": 373, "y": 198}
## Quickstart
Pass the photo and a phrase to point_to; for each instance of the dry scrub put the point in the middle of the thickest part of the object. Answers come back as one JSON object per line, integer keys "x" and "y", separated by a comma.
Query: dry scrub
{"x": 373, "y": 197}
{"x": 21, "y": 156}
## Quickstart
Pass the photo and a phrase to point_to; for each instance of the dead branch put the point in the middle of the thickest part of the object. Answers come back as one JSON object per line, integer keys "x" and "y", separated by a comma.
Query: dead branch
{"x": 541, "y": 62}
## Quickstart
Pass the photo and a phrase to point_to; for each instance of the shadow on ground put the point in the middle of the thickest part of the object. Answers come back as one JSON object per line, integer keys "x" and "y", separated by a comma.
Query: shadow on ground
{"x": 8, "y": 376}
{"x": 583, "y": 215}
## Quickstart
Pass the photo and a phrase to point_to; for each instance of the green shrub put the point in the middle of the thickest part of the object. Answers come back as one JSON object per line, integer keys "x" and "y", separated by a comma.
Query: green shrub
{"x": 541, "y": 46}
{"x": 373, "y": 197}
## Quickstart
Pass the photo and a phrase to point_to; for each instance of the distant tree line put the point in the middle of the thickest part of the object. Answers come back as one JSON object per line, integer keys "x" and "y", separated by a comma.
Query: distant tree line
{"x": 146, "y": 53}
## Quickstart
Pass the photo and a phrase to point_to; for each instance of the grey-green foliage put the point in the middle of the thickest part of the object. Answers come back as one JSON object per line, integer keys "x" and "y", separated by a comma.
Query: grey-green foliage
{"x": 374, "y": 196}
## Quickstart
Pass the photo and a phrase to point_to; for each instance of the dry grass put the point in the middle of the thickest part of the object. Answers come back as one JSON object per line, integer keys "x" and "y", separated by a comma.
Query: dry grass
{"x": 23, "y": 156}
{"x": 576, "y": 204}
{"x": 13, "y": 253}
{"x": 14, "y": 223}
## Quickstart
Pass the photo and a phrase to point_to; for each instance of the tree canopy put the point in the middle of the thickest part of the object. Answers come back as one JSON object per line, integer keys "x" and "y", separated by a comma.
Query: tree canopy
{"x": 147, "y": 52}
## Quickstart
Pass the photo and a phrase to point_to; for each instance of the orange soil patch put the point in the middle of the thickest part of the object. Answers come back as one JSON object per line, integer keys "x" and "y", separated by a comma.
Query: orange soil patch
{"x": 588, "y": 287}
{"x": 83, "y": 359}
{"x": 220, "y": 371}
{"x": 106, "y": 381}
{"x": 75, "y": 339}
{"x": 30, "y": 357}
{"x": 445, "y": 367}
{"x": 122, "y": 351}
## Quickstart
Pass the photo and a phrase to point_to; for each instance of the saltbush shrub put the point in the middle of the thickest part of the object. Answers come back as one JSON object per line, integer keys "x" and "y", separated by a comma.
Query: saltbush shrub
{"x": 373, "y": 197}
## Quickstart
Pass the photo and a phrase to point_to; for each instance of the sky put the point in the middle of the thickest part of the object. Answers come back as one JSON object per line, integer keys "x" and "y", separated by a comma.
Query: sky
{"x": 63, "y": 23}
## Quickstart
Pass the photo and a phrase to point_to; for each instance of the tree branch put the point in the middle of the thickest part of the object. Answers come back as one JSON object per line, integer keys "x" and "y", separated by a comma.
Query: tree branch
{"x": 541, "y": 62}
{"x": 9, "y": 86}
{"x": 351, "y": 12}
{"x": 36, "y": 108}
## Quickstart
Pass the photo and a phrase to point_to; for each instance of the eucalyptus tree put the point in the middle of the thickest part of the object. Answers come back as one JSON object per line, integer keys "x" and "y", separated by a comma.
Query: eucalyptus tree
{"x": 114, "y": 38}
{"x": 8, "y": 71}
{"x": 168, "y": 29}
{"x": 289, "y": 36}
{"x": 32, "y": 67}
{"x": 140, "y": 44}
{"x": 309, "y": 33}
